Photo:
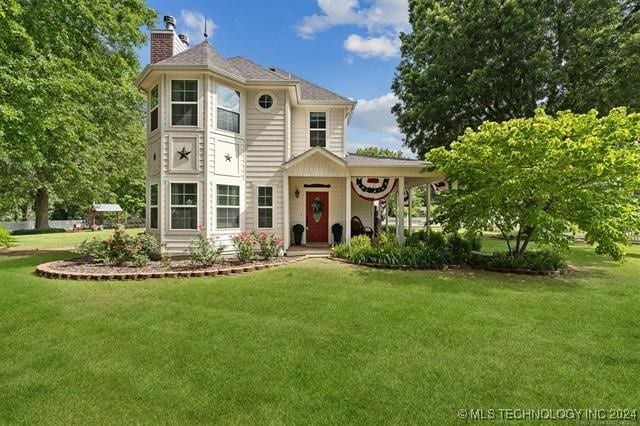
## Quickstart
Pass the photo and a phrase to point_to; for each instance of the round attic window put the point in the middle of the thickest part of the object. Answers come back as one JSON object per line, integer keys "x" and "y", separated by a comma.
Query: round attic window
{"x": 265, "y": 101}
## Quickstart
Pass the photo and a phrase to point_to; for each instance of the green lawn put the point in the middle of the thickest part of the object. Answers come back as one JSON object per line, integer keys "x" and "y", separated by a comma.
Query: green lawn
{"x": 317, "y": 342}
{"x": 67, "y": 240}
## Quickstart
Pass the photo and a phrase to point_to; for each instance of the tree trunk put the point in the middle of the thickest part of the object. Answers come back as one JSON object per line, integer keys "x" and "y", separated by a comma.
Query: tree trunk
{"x": 42, "y": 208}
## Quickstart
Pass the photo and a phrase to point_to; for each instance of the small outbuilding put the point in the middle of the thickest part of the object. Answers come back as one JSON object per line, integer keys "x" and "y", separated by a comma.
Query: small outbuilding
{"x": 104, "y": 208}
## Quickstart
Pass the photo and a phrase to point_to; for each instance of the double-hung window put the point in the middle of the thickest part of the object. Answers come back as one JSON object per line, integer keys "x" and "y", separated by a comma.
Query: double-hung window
{"x": 228, "y": 209}
{"x": 153, "y": 109}
{"x": 265, "y": 207}
{"x": 228, "y": 108}
{"x": 153, "y": 206}
{"x": 184, "y": 102}
{"x": 184, "y": 206}
{"x": 317, "y": 129}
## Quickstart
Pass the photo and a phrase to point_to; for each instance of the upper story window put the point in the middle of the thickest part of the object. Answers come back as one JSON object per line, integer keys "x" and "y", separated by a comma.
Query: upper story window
{"x": 318, "y": 129}
{"x": 184, "y": 102}
{"x": 264, "y": 101}
{"x": 228, "y": 108}
{"x": 153, "y": 109}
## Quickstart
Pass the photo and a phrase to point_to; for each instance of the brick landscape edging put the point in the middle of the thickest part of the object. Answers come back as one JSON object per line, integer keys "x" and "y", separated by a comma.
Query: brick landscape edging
{"x": 488, "y": 269}
{"x": 46, "y": 270}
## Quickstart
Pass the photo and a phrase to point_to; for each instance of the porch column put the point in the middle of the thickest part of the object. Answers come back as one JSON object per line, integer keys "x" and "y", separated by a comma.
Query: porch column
{"x": 400, "y": 211}
{"x": 428, "y": 207}
{"x": 347, "y": 208}
{"x": 285, "y": 197}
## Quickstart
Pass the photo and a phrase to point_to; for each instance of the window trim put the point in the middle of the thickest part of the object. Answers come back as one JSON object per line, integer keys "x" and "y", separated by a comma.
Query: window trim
{"x": 272, "y": 207}
{"x": 196, "y": 206}
{"x": 196, "y": 103}
{"x": 217, "y": 188}
{"x": 326, "y": 127}
{"x": 157, "y": 108}
{"x": 257, "y": 101}
{"x": 218, "y": 106}
{"x": 154, "y": 206}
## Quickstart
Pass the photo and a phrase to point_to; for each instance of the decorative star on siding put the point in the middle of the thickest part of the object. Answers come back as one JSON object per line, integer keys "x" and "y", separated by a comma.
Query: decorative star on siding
{"x": 184, "y": 154}
{"x": 227, "y": 157}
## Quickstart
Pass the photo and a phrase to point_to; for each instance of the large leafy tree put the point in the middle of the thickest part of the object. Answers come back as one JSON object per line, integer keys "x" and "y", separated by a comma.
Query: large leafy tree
{"x": 544, "y": 177}
{"x": 469, "y": 61}
{"x": 71, "y": 120}
{"x": 375, "y": 151}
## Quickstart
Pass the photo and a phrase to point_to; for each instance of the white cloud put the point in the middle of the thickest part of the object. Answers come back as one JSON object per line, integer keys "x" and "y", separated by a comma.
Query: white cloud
{"x": 375, "y": 115}
{"x": 382, "y": 47}
{"x": 193, "y": 23}
{"x": 382, "y": 19}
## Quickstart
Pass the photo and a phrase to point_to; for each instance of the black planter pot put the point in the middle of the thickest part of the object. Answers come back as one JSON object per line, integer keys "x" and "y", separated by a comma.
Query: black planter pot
{"x": 297, "y": 234}
{"x": 337, "y": 237}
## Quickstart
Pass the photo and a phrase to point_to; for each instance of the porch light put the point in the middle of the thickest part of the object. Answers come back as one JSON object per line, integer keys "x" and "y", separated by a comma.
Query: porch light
{"x": 297, "y": 193}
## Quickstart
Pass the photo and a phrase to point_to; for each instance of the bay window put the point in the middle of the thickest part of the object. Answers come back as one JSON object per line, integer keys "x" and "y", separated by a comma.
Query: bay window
{"x": 184, "y": 102}
{"x": 228, "y": 108}
{"x": 184, "y": 206}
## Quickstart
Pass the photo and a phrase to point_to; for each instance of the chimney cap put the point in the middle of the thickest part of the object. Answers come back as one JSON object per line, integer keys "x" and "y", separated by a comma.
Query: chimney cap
{"x": 184, "y": 38}
{"x": 169, "y": 22}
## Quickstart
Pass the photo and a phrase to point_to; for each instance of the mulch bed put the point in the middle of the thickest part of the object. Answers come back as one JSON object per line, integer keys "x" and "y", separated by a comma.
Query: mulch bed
{"x": 84, "y": 269}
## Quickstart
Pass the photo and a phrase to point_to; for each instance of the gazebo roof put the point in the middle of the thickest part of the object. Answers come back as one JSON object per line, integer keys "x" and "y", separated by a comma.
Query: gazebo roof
{"x": 103, "y": 208}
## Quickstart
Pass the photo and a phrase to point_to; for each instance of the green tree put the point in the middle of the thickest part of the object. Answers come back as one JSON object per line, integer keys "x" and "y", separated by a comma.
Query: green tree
{"x": 469, "y": 61}
{"x": 542, "y": 177}
{"x": 69, "y": 113}
{"x": 374, "y": 151}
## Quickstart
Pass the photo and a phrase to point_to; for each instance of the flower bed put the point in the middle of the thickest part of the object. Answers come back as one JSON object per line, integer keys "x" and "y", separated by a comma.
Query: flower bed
{"x": 125, "y": 256}
{"x": 85, "y": 269}
{"x": 434, "y": 251}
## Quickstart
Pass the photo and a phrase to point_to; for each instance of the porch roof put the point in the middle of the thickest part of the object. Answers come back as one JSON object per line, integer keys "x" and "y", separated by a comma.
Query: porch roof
{"x": 319, "y": 162}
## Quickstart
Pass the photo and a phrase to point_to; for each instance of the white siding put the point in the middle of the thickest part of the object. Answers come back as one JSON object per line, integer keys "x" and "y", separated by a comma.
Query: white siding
{"x": 300, "y": 130}
{"x": 265, "y": 151}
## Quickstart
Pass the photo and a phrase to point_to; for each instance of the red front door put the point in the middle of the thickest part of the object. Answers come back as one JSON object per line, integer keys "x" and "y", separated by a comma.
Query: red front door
{"x": 317, "y": 217}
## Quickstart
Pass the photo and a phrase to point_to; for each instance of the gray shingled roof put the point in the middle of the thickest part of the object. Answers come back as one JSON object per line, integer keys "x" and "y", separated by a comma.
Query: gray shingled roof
{"x": 312, "y": 91}
{"x": 243, "y": 68}
{"x": 203, "y": 54}
{"x": 252, "y": 71}
{"x": 369, "y": 160}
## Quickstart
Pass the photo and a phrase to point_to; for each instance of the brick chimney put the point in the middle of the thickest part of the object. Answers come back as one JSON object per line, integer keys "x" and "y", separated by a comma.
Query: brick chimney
{"x": 165, "y": 42}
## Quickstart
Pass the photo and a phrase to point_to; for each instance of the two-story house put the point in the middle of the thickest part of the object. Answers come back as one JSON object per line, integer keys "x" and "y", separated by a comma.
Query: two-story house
{"x": 234, "y": 146}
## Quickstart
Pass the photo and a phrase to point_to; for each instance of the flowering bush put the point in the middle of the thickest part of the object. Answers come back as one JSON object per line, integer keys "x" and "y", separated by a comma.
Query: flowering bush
{"x": 268, "y": 244}
{"x": 5, "y": 237}
{"x": 244, "y": 244}
{"x": 203, "y": 251}
{"x": 120, "y": 248}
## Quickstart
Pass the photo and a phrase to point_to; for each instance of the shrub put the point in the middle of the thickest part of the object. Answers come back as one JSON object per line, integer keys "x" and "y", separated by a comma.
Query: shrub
{"x": 149, "y": 245}
{"x": 268, "y": 244}
{"x": 120, "y": 248}
{"x": 542, "y": 260}
{"x": 203, "y": 251}
{"x": 459, "y": 247}
{"x": 244, "y": 244}
{"x": 358, "y": 247}
{"x": 422, "y": 238}
{"x": 5, "y": 237}
{"x": 475, "y": 239}
{"x": 38, "y": 231}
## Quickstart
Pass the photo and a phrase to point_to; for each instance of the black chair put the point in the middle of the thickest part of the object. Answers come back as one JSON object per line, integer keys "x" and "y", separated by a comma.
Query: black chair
{"x": 357, "y": 228}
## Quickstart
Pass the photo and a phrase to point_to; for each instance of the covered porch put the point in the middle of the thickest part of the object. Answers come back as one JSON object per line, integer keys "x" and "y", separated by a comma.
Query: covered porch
{"x": 322, "y": 189}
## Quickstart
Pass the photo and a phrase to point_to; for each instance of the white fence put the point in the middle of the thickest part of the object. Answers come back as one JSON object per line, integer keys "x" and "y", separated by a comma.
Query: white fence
{"x": 31, "y": 224}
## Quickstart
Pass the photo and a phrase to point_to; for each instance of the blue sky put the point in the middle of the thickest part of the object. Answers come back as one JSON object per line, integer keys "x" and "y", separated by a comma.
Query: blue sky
{"x": 348, "y": 46}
